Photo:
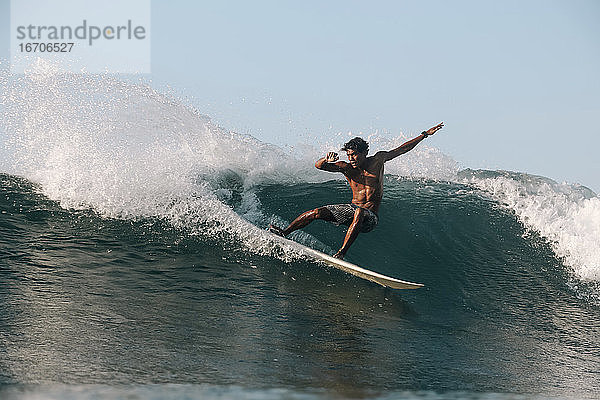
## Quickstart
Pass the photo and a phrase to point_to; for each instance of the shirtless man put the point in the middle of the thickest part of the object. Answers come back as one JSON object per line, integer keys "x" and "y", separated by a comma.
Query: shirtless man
{"x": 365, "y": 176}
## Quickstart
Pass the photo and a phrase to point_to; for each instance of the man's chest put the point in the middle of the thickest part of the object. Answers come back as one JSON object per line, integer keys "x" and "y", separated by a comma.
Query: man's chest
{"x": 366, "y": 177}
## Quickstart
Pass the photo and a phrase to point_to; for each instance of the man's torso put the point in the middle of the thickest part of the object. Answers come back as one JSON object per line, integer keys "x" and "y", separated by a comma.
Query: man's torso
{"x": 366, "y": 183}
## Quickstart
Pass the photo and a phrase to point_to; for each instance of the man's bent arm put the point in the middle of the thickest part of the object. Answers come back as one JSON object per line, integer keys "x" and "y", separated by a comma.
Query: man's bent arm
{"x": 408, "y": 146}
{"x": 324, "y": 165}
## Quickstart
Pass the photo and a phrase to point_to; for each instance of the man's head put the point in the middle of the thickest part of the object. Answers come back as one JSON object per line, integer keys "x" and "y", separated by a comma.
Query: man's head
{"x": 356, "y": 150}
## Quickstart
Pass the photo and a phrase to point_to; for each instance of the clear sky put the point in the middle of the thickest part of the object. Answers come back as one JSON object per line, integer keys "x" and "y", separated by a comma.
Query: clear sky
{"x": 516, "y": 82}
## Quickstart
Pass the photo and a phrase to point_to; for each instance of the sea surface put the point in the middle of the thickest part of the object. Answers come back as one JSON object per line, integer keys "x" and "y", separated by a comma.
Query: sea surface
{"x": 134, "y": 264}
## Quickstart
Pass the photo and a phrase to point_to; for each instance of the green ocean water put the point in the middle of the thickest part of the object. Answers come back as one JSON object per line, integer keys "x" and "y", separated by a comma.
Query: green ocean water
{"x": 90, "y": 301}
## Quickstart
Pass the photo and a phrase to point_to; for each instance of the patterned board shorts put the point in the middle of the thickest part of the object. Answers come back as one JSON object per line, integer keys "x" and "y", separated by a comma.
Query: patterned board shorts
{"x": 343, "y": 214}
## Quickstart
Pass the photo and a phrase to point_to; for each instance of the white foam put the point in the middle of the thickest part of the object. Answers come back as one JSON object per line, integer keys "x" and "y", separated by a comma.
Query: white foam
{"x": 126, "y": 151}
{"x": 567, "y": 215}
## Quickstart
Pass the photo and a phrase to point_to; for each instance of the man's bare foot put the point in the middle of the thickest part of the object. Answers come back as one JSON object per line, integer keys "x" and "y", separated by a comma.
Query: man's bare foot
{"x": 339, "y": 255}
{"x": 276, "y": 230}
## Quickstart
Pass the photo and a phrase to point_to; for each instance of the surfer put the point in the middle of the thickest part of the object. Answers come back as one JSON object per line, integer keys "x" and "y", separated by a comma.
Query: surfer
{"x": 365, "y": 176}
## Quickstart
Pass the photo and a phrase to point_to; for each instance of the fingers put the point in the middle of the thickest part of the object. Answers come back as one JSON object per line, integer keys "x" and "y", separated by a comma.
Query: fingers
{"x": 436, "y": 128}
{"x": 331, "y": 156}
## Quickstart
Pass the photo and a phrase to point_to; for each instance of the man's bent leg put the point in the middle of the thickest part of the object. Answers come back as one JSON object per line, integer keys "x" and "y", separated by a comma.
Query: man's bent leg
{"x": 352, "y": 233}
{"x": 306, "y": 218}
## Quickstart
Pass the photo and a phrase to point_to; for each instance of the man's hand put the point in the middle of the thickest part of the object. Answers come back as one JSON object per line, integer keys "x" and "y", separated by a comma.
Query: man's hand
{"x": 433, "y": 130}
{"x": 331, "y": 157}
{"x": 328, "y": 163}
{"x": 408, "y": 146}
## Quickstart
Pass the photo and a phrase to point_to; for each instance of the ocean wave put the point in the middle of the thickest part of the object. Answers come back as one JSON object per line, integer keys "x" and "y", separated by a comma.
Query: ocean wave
{"x": 127, "y": 151}
{"x": 567, "y": 215}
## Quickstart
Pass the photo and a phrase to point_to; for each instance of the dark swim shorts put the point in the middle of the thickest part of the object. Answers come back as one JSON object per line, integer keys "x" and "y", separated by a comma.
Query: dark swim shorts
{"x": 343, "y": 214}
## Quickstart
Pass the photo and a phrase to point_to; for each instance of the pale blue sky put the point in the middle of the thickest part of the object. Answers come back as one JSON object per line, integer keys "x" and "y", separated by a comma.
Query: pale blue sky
{"x": 516, "y": 82}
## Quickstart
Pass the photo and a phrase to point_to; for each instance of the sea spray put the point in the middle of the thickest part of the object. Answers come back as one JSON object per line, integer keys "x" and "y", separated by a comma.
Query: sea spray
{"x": 568, "y": 216}
{"x": 127, "y": 151}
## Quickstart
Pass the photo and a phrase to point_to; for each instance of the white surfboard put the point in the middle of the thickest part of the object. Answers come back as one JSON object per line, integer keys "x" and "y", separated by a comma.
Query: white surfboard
{"x": 355, "y": 270}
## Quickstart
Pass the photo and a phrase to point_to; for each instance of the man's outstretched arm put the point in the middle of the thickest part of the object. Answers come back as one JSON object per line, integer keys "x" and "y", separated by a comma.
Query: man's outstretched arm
{"x": 408, "y": 146}
{"x": 328, "y": 163}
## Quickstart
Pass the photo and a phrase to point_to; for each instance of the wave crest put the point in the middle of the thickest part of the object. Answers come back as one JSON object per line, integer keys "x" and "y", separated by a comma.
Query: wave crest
{"x": 567, "y": 215}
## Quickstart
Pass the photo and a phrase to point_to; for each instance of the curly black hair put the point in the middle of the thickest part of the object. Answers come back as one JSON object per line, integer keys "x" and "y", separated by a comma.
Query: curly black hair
{"x": 357, "y": 144}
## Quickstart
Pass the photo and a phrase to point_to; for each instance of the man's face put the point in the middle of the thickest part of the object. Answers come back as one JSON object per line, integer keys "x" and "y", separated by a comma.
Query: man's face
{"x": 355, "y": 158}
